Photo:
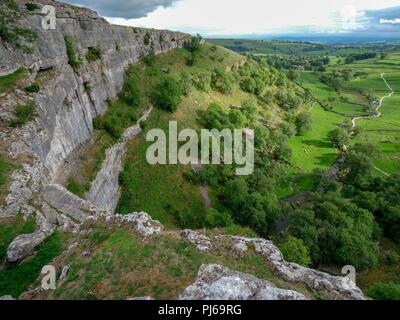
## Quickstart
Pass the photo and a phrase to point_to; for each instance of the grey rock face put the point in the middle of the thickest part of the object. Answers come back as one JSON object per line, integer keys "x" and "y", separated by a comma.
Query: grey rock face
{"x": 69, "y": 99}
{"x": 68, "y": 203}
{"x": 47, "y": 217}
{"x": 24, "y": 245}
{"x": 5, "y": 298}
{"x": 215, "y": 282}
{"x": 68, "y": 103}
{"x": 200, "y": 241}
{"x": 104, "y": 192}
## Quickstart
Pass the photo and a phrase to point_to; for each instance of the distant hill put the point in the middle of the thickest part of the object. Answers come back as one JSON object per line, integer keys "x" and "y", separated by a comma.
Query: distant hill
{"x": 268, "y": 47}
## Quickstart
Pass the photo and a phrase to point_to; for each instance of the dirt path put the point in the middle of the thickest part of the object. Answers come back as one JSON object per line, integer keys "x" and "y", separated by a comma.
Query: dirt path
{"x": 203, "y": 189}
{"x": 206, "y": 197}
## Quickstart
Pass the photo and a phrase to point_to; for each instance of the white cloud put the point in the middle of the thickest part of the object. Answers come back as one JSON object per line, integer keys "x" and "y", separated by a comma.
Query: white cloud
{"x": 228, "y": 17}
{"x": 393, "y": 21}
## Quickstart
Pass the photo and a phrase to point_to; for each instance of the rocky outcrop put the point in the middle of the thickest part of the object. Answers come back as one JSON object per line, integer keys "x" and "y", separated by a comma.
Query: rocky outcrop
{"x": 64, "y": 272}
{"x": 323, "y": 284}
{"x": 140, "y": 222}
{"x": 67, "y": 203}
{"x": 104, "y": 191}
{"x": 215, "y": 282}
{"x": 24, "y": 245}
{"x": 201, "y": 242}
{"x": 337, "y": 288}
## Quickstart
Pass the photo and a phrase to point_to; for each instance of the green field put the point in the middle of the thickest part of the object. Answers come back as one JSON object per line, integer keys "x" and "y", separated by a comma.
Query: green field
{"x": 313, "y": 150}
{"x": 384, "y": 131}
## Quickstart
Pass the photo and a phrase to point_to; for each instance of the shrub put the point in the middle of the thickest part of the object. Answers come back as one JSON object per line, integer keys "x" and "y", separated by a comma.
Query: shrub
{"x": 384, "y": 291}
{"x": 6, "y": 34}
{"x": 130, "y": 92}
{"x": 93, "y": 54}
{"x": 111, "y": 125}
{"x": 147, "y": 39}
{"x": 303, "y": 122}
{"x": 252, "y": 78}
{"x": 249, "y": 109}
{"x": 294, "y": 250}
{"x": 23, "y": 114}
{"x": 26, "y": 33}
{"x": 215, "y": 219}
{"x": 339, "y": 137}
{"x": 392, "y": 258}
{"x": 76, "y": 188}
{"x": 288, "y": 100}
{"x": 208, "y": 175}
{"x": 215, "y": 117}
{"x": 33, "y": 88}
{"x": 73, "y": 59}
{"x": 11, "y": 4}
{"x": 150, "y": 58}
{"x": 293, "y": 75}
{"x": 115, "y": 121}
{"x": 186, "y": 83}
{"x": 168, "y": 94}
{"x": 222, "y": 81}
{"x": 195, "y": 44}
{"x": 202, "y": 80}
{"x": 32, "y": 6}
{"x": 192, "y": 59}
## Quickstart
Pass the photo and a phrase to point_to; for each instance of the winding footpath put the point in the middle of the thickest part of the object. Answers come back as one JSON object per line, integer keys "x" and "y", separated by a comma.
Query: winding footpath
{"x": 378, "y": 114}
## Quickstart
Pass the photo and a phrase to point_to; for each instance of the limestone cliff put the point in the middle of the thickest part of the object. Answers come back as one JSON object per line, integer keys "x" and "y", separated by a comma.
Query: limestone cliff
{"x": 69, "y": 99}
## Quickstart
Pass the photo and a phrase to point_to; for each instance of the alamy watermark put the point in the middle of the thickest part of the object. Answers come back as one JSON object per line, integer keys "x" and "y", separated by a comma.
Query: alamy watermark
{"x": 49, "y": 278}
{"x": 349, "y": 279}
{"x": 49, "y": 20}
{"x": 209, "y": 147}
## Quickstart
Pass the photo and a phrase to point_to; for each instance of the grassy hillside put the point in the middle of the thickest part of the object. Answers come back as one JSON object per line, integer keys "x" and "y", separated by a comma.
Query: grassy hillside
{"x": 163, "y": 191}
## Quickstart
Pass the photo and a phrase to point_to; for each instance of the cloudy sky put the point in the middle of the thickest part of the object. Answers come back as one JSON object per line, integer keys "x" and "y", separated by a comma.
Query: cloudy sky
{"x": 237, "y": 17}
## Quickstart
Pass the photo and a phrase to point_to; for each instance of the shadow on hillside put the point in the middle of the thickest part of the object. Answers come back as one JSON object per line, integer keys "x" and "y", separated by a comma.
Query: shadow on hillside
{"x": 318, "y": 143}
